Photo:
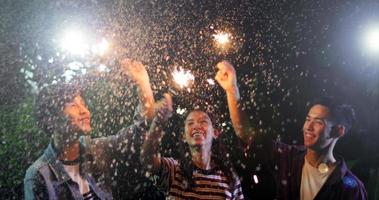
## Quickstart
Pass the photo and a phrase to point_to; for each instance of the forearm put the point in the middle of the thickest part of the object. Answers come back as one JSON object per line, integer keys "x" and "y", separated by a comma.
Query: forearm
{"x": 146, "y": 99}
{"x": 239, "y": 119}
{"x": 149, "y": 155}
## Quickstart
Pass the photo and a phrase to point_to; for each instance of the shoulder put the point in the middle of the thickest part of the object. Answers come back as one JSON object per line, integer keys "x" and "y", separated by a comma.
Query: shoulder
{"x": 281, "y": 147}
{"x": 170, "y": 162}
{"x": 32, "y": 173}
{"x": 351, "y": 182}
{"x": 351, "y": 186}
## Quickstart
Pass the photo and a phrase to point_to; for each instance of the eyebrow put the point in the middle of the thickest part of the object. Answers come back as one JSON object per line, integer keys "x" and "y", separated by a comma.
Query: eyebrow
{"x": 318, "y": 118}
{"x": 200, "y": 118}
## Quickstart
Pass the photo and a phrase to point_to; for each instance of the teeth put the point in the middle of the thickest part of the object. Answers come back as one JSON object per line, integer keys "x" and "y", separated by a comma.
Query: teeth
{"x": 309, "y": 135}
{"x": 197, "y": 134}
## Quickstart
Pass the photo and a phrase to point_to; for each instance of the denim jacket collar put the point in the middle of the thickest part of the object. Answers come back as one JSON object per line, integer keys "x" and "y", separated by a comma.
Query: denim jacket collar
{"x": 57, "y": 166}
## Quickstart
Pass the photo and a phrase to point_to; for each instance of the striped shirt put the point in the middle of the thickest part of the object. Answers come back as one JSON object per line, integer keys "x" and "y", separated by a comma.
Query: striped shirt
{"x": 208, "y": 184}
{"x": 90, "y": 195}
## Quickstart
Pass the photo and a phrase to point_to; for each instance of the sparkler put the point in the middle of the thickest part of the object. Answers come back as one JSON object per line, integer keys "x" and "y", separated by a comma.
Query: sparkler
{"x": 182, "y": 78}
{"x": 222, "y": 40}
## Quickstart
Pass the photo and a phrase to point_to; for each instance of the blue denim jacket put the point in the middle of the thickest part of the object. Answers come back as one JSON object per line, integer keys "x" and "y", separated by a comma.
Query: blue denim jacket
{"x": 47, "y": 179}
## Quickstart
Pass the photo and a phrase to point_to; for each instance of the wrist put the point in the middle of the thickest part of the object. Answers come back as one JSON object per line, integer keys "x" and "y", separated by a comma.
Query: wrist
{"x": 233, "y": 91}
{"x": 143, "y": 82}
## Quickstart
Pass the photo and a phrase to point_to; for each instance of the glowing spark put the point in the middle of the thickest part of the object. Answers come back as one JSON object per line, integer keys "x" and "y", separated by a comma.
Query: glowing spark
{"x": 182, "y": 78}
{"x": 210, "y": 81}
{"x": 73, "y": 41}
{"x": 222, "y": 38}
{"x": 101, "y": 48}
{"x": 181, "y": 111}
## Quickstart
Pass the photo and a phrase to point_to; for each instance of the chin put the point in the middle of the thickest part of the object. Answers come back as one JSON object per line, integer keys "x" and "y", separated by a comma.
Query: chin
{"x": 86, "y": 130}
{"x": 196, "y": 144}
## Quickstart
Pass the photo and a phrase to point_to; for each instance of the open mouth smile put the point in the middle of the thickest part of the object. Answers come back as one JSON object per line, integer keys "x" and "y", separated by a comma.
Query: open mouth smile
{"x": 197, "y": 133}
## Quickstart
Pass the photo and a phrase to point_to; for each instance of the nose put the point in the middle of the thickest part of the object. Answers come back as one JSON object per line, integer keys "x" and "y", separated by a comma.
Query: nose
{"x": 308, "y": 125}
{"x": 196, "y": 125}
{"x": 84, "y": 110}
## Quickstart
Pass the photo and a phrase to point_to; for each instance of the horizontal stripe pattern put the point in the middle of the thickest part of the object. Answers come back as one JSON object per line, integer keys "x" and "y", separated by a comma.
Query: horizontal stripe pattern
{"x": 208, "y": 184}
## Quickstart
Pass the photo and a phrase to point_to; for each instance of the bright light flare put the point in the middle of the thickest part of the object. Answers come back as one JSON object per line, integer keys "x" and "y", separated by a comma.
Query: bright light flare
{"x": 182, "y": 77}
{"x": 222, "y": 38}
{"x": 101, "y": 48}
{"x": 372, "y": 39}
{"x": 74, "y": 41}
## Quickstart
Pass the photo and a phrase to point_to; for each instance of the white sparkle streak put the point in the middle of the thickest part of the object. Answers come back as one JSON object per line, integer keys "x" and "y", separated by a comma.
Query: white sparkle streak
{"x": 182, "y": 78}
{"x": 210, "y": 81}
{"x": 255, "y": 177}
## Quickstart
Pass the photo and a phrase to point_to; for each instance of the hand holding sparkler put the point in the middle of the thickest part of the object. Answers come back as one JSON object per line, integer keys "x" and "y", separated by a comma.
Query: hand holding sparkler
{"x": 226, "y": 76}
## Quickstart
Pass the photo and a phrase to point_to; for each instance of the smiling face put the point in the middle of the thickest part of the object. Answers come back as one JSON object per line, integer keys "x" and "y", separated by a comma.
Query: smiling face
{"x": 317, "y": 128}
{"x": 78, "y": 115}
{"x": 198, "y": 129}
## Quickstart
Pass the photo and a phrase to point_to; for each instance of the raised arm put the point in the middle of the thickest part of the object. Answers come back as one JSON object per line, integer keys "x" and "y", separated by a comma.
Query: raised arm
{"x": 149, "y": 153}
{"x": 136, "y": 71}
{"x": 227, "y": 79}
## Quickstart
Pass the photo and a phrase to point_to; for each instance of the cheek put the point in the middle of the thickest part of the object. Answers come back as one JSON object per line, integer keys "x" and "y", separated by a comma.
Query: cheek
{"x": 320, "y": 131}
{"x": 185, "y": 135}
{"x": 304, "y": 125}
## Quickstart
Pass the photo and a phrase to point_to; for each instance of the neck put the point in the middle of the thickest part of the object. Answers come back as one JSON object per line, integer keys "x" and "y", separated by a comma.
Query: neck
{"x": 70, "y": 151}
{"x": 201, "y": 157}
{"x": 316, "y": 157}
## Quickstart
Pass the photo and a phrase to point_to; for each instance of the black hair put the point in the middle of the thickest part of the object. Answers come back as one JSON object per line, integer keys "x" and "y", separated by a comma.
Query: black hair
{"x": 50, "y": 104}
{"x": 340, "y": 113}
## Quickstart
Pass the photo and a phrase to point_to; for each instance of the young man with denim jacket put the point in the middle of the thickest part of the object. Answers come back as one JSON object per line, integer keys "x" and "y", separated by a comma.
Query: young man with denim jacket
{"x": 75, "y": 166}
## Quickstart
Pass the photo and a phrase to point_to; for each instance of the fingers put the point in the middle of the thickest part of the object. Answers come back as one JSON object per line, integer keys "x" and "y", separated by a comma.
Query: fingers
{"x": 224, "y": 65}
{"x": 164, "y": 108}
{"x": 218, "y": 76}
{"x": 132, "y": 65}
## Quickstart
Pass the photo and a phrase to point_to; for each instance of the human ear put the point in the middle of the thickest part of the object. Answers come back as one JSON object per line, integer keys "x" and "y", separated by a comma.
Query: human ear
{"x": 337, "y": 131}
{"x": 216, "y": 133}
{"x": 341, "y": 130}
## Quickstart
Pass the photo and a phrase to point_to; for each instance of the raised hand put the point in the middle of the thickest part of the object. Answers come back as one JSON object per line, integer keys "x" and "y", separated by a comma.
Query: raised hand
{"x": 135, "y": 70}
{"x": 226, "y": 76}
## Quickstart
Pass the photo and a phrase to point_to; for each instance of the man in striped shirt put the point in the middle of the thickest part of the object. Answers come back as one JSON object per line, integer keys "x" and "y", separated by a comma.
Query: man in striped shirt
{"x": 202, "y": 173}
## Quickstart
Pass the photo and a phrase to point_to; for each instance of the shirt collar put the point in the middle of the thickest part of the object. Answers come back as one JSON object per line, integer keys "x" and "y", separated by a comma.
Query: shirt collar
{"x": 57, "y": 166}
